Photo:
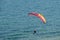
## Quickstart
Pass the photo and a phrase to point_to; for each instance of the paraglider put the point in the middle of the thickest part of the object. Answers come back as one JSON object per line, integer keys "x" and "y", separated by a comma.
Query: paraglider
{"x": 40, "y": 16}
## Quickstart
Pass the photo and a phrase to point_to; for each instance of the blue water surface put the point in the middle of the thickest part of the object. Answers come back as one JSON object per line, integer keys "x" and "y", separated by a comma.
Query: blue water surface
{"x": 15, "y": 24}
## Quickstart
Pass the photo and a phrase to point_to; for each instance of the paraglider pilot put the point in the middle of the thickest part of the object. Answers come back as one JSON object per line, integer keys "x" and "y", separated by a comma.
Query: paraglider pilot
{"x": 34, "y": 31}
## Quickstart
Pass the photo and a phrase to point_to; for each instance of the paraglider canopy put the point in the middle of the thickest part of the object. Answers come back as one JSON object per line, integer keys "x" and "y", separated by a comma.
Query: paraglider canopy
{"x": 40, "y": 16}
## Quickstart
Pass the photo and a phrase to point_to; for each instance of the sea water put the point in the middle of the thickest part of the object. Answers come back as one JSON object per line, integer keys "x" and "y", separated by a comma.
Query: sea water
{"x": 15, "y": 24}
